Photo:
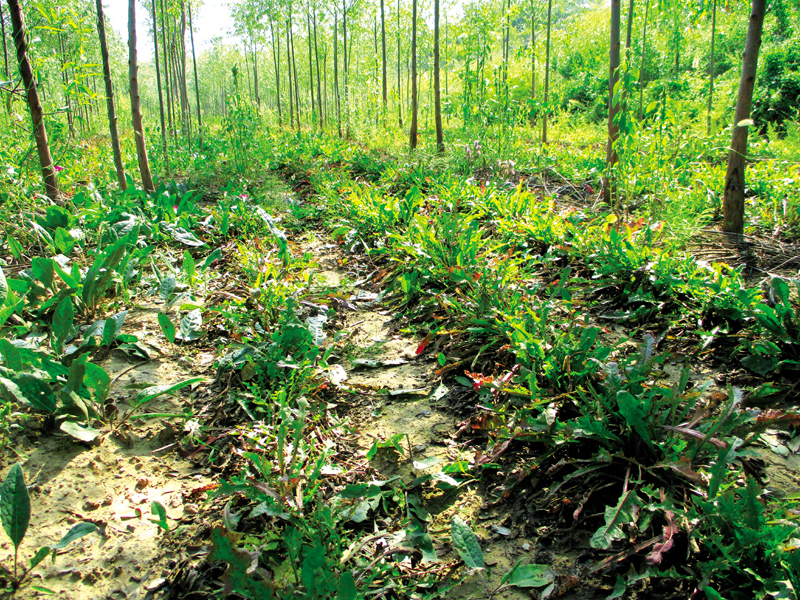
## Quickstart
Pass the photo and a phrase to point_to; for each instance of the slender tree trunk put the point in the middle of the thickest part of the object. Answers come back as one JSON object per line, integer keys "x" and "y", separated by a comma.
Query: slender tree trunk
{"x": 643, "y": 65}
{"x": 336, "y": 73}
{"x": 34, "y": 104}
{"x": 186, "y": 112}
{"x": 345, "y": 72}
{"x": 254, "y": 45}
{"x": 630, "y": 26}
{"x": 711, "y": 69}
{"x": 160, "y": 95}
{"x": 112, "y": 113}
{"x": 136, "y": 109}
{"x": 437, "y": 91}
{"x": 296, "y": 82}
{"x": 196, "y": 80}
{"x": 613, "y": 74}
{"x": 166, "y": 67}
{"x": 319, "y": 84}
{"x": 310, "y": 68}
{"x": 399, "y": 92}
{"x": 384, "y": 81}
{"x": 247, "y": 70}
{"x": 289, "y": 69}
{"x": 547, "y": 71}
{"x": 412, "y": 135}
{"x": 533, "y": 60}
{"x": 65, "y": 80}
{"x": 276, "y": 54}
{"x": 3, "y": 35}
{"x": 733, "y": 205}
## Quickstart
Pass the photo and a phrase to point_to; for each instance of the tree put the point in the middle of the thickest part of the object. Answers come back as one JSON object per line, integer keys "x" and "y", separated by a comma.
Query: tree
{"x": 196, "y": 81}
{"x": 112, "y": 113}
{"x": 711, "y": 68}
{"x": 383, "y": 54}
{"x": 136, "y": 107}
{"x": 547, "y": 71}
{"x": 414, "y": 100}
{"x": 437, "y": 89}
{"x": 613, "y": 108}
{"x": 3, "y": 35}
{"x": 158, "y": 80}
{"x": 733, "y": 205}
{"x": 34, "y": 105}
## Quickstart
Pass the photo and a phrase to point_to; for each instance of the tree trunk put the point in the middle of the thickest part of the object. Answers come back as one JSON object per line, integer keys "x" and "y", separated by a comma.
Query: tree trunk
{"x": 35, "y": 106}
{"x": 160, "y": 95}
{"x": 112, "y": 113}
{"x": 711, "y": 69}
{"x": 136, "y": 109}
{"x": 289, "y": 69}
{"x": 437, "y": 91}
{"x": 186, "y": 112}
{"x": 336, "y": 72}
{"x": 613, "y": 73}
{"x": 196, "y": 80}
{"x": 399, "y": 85}
{"x": 733, "y": 205}
{"x": 296, "y": 83}
{"x": 383, "y": 54}
{"x": 319, "y": 82}
{"x": 254, "y": 45}
{"x": 642, "y": 65}
{"x": 166, "y": 67}
{"x": 345, "y": 72}
{"x": 276, "y": 54}
{"x": 547, "y": 70}
{"x": 412, "y": 135}
{"x": 533, "y": 59}
{"x": 3, "y": 35}
{"x": 310, "y": 68}
{"x": 630, "y": 26}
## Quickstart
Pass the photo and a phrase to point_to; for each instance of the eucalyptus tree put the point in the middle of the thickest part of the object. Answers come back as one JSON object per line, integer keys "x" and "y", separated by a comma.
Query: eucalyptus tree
{"x": 547, "y": 70}
{"x": 733, "y": 204}
{"x": 158, "y": 80}
{"x": 613, "y": 76}
{"x": 112, "y": 113}
{"x": 437, "y": 90}
{"x": 414, "y": 99}
{"x": 711, "y": 67}
{"x": 34, "y": 104}
{"x": 3, "y": 35}
{"x": 196, "y": 80}
{"x": 136, "y": 108}
{"x": 384, "y": 83}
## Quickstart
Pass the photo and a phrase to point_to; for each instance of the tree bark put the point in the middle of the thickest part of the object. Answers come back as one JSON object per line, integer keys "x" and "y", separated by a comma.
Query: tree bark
{"x": 296, "y": 83}
{"x": 166, "y": 67}
{"x": 733, "y": 205}
{"x": 412, "y": 135}
{"x": 642, "y": 66}
{"x": 196, "y": 80}
{"x": 630, "y": 26}
{"x": 547, "y": 70}
{"x": 383, "y": 54}
{"x": 3, "y": 35}
{"x": 533, "y": 59}
{"x": 711, "y": 69}
{"x": 35, "y": 106}
{"x": 437, "y": 91}
{"x": 319, "y": 79}
{"x": 336, "y": 72}
{"x": 613, "y": 74}
{"x": 289, "y": 69}
{"x": 136, "y": 108}
{"x": 399, "y": 84}
{"x": 112, "y": 113}
{"x": 160, "y": 95}
{"x": 310, "y": 67}
{"x": 276, "y": 54}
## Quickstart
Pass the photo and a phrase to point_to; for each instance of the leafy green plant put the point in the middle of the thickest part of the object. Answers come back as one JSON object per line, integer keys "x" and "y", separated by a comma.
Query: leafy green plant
{"x": 15, "y": 514}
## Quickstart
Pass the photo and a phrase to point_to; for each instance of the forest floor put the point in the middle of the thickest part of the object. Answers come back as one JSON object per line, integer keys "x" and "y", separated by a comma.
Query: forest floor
{"x": 400, "y": 418}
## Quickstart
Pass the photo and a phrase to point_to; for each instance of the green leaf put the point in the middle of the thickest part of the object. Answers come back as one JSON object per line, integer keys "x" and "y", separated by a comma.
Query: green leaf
{"x": 32, "y": 391}
{"x": 78, "y": 531}
{"x": 238, "y": 576}
{"x": 153, "y": 392}
{"x": 167, "y": 327}
{"x": 427, "y": 463}
{"x": 157, "y": 509}
{"x": 179, "y": 234}
{"x": 80, "y": 432}
{"x": 97, "y": 380}
{"x": 466, "y": 543}
{"x": 3, "y": 288}
{"x": 191, "y": 326}
{"x": 43, "y": 270}
{"x": 63, "y": 318}
{"x": 347, "y": 587}
{"x": 109, "y": 332}
{"x": 631, "y": 408}
{"x": 188, "y": 265}
{"x": 724, "y": 457}
{"x": 64, "y": 241}
{"x": 531, "y": 575}
{"x": 99, "y": 276}
{"x": 15, "y": 505}
{"x": 39, "y": 556}
{"x": 12, "y": 358}
{"x": 15, "y": 247}
{"x": 615, "y": 517}
{"x": 215, "y": 255}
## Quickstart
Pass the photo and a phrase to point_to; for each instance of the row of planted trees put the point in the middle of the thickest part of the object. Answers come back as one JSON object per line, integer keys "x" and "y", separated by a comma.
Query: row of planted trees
{"x": 331, "y": 64}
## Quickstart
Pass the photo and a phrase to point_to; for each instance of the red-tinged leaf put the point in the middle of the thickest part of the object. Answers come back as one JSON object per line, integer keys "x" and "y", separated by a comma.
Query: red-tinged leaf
{"x": 670, "y": 529}
{"x": 696, "y": 435}
{"x": 778, "y": 418}
{"x": 424, "y": 344}
{"x": 683, "y": 466}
